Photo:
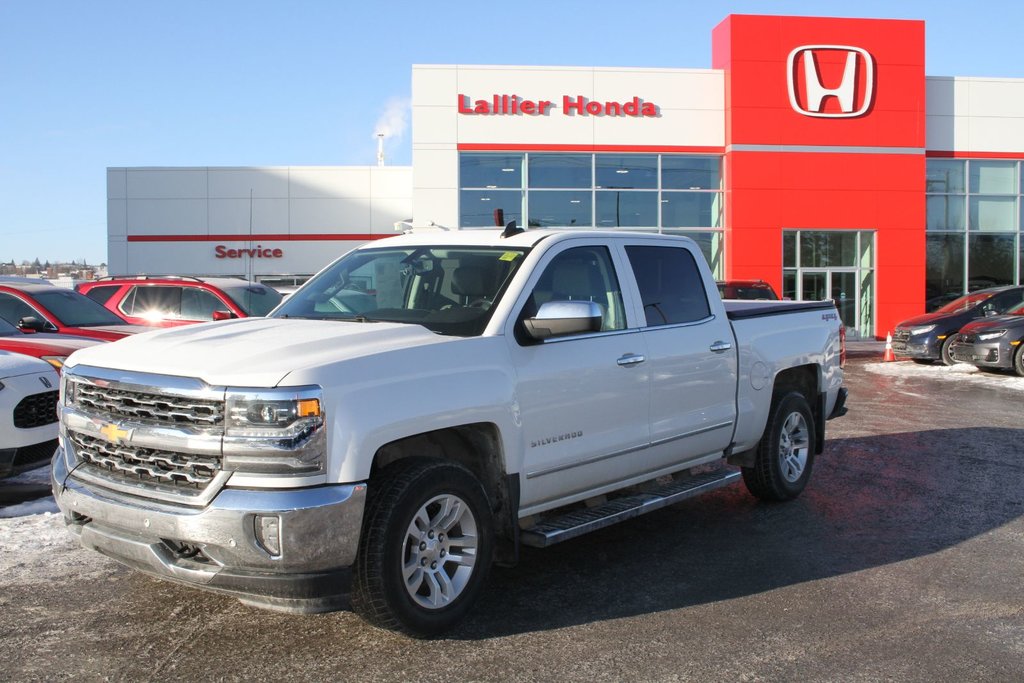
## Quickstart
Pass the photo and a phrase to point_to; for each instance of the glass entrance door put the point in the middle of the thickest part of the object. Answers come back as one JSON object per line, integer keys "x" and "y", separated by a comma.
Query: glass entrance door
{"x": 833, "y": 264}
{"x": 839, "y": 285}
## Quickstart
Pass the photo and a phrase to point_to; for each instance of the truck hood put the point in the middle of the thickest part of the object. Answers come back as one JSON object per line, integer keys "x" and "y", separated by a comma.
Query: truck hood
{"x": 251, "y": 352}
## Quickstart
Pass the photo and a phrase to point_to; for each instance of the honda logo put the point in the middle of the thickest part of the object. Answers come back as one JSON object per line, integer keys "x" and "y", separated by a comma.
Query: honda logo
{"x": 805, "y": 80}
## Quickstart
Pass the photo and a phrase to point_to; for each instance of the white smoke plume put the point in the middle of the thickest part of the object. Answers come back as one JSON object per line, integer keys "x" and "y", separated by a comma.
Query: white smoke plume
{"x": 394, "y": 119}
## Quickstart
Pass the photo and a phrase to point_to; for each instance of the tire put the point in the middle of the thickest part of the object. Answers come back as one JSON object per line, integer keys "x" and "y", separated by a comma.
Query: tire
{"x": 944, "y": 352}
{"x": 425, "y": 548}
{"x": 782, "y": 465}
{"x": 1018, "y": 360}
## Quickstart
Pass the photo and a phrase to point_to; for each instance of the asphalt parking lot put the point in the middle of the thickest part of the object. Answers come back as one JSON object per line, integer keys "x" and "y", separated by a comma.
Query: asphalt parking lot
{"x": 902, "y": 561}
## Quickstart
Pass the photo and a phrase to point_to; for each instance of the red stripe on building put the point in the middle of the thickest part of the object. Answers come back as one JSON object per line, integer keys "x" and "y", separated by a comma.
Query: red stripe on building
{"x": 494, "y": 147}
{"x": 298, "y": 237}
{"x": 949, "y": 154}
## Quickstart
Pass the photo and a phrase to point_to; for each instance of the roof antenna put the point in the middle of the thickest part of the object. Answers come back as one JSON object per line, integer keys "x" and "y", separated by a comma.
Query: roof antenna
{"x": 511, "y": 230}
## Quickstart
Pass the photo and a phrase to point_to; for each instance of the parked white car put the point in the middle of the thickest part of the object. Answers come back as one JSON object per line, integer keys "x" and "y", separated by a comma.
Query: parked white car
{"x": 28, "y": 412}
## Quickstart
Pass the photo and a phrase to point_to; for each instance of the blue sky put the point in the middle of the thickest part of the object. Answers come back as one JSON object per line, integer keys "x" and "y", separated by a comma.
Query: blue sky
{"x": 89, "y": 84}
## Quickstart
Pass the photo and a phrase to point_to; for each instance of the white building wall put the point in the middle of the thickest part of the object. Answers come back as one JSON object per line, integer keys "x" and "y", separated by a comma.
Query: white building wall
{"x": 979, "y": 115}
{"x": 178, "y": 216}
{"x": 691, "y": 114}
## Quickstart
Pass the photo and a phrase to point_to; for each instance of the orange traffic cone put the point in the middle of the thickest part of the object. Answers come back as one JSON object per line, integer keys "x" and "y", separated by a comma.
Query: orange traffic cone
{"x": 889, "y": 355}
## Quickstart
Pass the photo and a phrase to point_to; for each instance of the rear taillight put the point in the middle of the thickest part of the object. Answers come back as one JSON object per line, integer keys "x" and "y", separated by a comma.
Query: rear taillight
{"x": 842, "y": 345}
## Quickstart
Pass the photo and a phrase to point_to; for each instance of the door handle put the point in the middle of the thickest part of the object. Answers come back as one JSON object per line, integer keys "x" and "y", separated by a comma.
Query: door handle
{"x": 721, "y": 346}
{"x": 630, "y": 359}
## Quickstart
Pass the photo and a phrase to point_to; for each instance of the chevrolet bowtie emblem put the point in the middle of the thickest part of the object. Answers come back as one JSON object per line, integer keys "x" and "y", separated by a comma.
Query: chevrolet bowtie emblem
{"x": 113, "y": 433}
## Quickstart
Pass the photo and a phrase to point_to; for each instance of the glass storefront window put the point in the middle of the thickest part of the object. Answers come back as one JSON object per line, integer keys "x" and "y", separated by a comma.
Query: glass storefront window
{"x": 491, "y": 170}
{"x": 993, "y": 177}
{"x": 990, "y": 261}
{"x": 560, "y": 209}
{"x": 691, "y": 209}
{"x": 479, "y": 208}
{"x": 945, "y": 212}
{"x": 828, "y": 248}
{"x": 789, "y": 249}
{"x": 691, "y": 173}
{"x": 944, "y": 270}
{"x": 945, "y": 177}
{"x": 710, "y": 243}
{"x": 626, "y": 171}
{"x": 627, "y": 209}
{"x": 992, "y": 213}
{"x": 560, "y": 170}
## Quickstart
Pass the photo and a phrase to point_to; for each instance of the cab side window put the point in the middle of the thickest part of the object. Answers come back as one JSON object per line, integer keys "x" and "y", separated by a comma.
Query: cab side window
{"x": 670, "y": 285}
{"x": 582, "y": 274}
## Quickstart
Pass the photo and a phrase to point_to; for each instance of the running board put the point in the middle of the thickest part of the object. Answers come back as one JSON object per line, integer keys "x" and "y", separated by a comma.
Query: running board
{"x": 579, "y": 522}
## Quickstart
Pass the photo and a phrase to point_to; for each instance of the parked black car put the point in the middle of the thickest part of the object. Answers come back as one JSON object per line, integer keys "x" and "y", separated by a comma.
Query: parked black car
{"x": 996, "y": 342}
{"x": 928, "y": 337}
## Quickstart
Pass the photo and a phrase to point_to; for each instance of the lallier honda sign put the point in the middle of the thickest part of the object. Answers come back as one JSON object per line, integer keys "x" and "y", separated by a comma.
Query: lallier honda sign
{"x": 570, "y": 105}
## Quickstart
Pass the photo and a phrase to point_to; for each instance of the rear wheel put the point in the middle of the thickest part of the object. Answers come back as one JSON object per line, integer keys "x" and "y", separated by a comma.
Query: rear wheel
{"x": 785, "y": 454}
{"x": 425, "y": 550}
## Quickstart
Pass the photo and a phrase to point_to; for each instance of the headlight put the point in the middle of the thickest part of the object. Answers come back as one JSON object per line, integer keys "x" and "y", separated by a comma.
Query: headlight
{"x": 55, "y": 361}
{"x": 275, "y": 431}
{"x": 923, "y": 329}
{"x": 994, "y": 334}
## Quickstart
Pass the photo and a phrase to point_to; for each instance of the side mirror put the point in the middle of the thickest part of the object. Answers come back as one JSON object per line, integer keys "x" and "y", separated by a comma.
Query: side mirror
{"x": 224, "y": 315}
{"x": 559, "y": 318}
{"x": 30, "y": 323}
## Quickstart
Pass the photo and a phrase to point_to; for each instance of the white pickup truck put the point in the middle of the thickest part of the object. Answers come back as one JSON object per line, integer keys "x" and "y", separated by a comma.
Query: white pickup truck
{"x": 429, "y": 403}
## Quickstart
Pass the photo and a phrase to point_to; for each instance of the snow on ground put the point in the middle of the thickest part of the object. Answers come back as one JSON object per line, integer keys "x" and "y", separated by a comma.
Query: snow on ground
{"x": 961, "y": 372}
{"x": 40, "y": 475}
{"x": 34, "y": 545}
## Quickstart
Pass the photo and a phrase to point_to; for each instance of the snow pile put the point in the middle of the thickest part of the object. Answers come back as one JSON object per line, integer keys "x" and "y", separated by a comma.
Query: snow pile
{"x": 961, "y": 372}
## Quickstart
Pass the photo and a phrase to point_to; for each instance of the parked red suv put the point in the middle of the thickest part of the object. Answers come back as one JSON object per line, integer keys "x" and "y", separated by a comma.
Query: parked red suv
{"x": 169, "y": 301}
{"x": 33, "y": 306}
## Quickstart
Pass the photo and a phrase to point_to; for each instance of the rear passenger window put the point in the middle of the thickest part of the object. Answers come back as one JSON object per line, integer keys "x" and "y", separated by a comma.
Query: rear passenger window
{"x": 154, "y": 301}
{"x": 670, "y": 285}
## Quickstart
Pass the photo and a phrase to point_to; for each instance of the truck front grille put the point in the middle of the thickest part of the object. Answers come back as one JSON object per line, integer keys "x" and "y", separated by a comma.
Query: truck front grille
{"x": 36, "y": 410}
{"x": 149, "y": 465}
{"x": 148, "y": 407}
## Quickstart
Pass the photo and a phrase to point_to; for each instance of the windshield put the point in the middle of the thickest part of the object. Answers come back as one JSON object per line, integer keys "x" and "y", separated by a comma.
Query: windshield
{"x": 1016, "y": 310}
{"x": 254, "y": 299}
{"x": 449, "y": 290}
{"x": 965, "y": 302}
{"x": 75, "y": 310}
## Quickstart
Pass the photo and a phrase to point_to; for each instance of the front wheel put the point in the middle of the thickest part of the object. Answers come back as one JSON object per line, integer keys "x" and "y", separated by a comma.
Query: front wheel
{"x": 426, "y": 547}
{"x": 785, "y": 454}
{"x": 1018, "y": 360}
{"x": 944, "y": 354}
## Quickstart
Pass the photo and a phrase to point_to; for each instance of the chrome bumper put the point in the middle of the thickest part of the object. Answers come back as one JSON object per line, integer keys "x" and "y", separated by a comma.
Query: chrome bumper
{"x": 288, "y": 550}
